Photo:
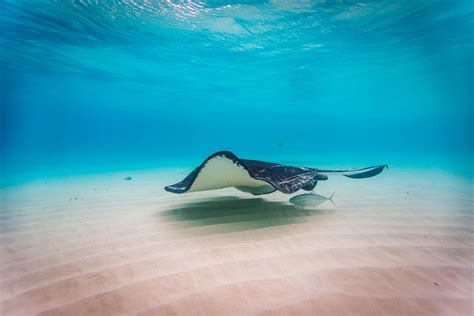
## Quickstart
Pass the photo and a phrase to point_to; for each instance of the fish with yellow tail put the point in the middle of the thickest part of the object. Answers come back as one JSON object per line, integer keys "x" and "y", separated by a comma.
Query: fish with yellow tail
{"x": 311, "y": 200}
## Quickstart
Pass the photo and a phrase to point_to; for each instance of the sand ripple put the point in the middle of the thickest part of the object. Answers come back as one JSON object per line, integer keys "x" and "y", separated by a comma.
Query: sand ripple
{"x": 72, "y": 248}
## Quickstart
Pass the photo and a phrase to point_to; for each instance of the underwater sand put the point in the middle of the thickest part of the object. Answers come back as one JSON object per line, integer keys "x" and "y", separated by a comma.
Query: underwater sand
{"x": 398, "y": 243}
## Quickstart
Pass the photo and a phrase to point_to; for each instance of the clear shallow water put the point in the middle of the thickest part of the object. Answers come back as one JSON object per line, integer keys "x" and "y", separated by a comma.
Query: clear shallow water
{"x": 89, "y": 86}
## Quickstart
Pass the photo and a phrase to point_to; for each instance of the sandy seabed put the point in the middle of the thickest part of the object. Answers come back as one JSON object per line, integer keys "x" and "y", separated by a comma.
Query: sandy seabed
{"x": 399, "y": 243}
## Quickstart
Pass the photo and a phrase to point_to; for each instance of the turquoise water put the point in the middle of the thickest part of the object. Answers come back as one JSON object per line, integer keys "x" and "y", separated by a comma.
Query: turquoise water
{"x": 90, "y": 86}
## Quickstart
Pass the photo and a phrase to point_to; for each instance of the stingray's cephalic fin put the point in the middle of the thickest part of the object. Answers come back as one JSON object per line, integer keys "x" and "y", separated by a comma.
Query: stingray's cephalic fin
{"x": 357, "y": 173}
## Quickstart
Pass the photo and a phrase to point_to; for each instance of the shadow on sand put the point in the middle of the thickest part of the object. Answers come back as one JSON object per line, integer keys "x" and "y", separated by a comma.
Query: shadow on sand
{"x": 234, "y": 214}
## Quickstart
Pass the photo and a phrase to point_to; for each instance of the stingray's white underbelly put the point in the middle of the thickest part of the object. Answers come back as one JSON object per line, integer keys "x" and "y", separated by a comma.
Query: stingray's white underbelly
{"x": 221, "y": 172}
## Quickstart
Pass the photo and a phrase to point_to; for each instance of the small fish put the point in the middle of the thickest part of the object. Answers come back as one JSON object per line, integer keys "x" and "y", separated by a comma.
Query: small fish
{"x": 128, "y": 178}
{"x": 311, "y": 199}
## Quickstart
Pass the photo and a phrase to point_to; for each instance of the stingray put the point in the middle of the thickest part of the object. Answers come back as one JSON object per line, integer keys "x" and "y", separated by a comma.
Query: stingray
{"x": 224, "y": 169}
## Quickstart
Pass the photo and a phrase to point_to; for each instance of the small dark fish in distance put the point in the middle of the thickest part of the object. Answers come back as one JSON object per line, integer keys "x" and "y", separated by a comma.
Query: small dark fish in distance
{"x": 311, "y": 199}
{"x": 128, "y": 178}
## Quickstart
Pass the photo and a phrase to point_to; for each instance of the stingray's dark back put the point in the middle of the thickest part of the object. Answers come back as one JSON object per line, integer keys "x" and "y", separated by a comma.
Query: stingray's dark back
{"x": 286, "y": 179}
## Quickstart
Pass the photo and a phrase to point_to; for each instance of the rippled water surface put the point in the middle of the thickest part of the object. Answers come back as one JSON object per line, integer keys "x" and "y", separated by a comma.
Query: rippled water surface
{"x": 95, "y": 84}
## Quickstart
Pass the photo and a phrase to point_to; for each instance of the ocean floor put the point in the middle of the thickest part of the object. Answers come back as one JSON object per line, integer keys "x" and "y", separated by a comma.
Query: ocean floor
{"x": 398, "y": 243}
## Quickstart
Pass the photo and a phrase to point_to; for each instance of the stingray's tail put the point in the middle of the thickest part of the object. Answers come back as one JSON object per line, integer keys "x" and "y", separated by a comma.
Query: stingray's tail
{"x": 356, "y": 173}
{"x": 330, "y": 199}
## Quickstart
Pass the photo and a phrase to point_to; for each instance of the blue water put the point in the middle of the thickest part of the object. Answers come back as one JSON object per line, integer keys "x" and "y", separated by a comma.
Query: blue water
{"x": 91, "y": 85}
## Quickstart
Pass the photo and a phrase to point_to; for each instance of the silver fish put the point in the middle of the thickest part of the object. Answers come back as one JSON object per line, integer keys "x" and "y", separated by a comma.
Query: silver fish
{"x": 311, "y": 199}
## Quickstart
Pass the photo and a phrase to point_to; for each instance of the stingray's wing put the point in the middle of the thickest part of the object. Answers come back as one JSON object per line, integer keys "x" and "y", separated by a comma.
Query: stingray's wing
{"x": 356, "y": 173}
{"x": 224, "y": 169}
